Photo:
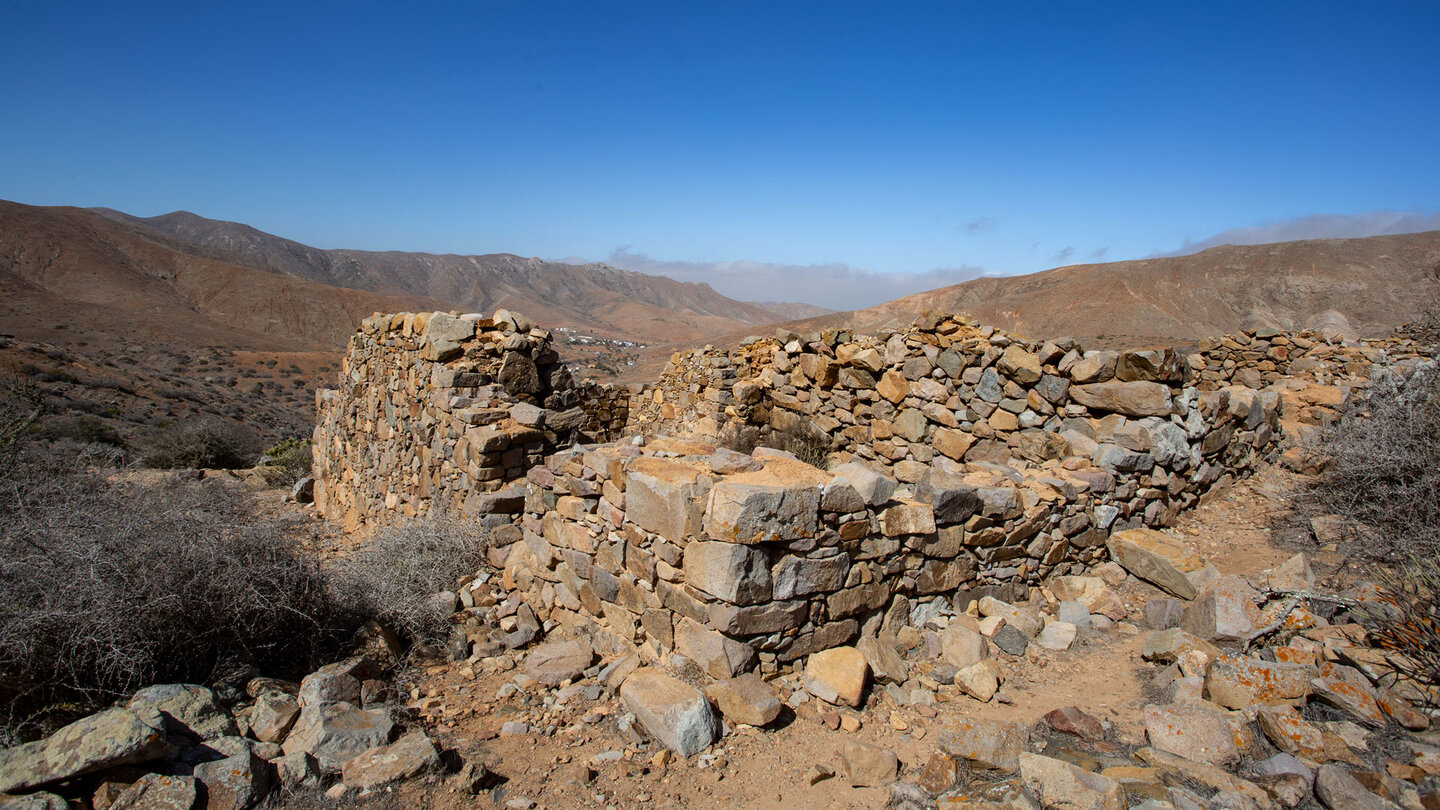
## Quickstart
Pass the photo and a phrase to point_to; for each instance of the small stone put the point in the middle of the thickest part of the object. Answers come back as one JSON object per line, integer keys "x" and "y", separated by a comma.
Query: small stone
{"x": 980, "y": 680}
{"x": 837, "y": 675}
{"x": 1071, "y": 720}
{"x": 747, "y": 699}
{"x": 1057, "y": 636}
{"x": 818, "y": 774}
{"x": 1010, "y": 640}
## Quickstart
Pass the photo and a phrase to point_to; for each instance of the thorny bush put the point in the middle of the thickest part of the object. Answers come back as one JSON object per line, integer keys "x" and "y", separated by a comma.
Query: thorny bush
{"x": 1383, "y": 477}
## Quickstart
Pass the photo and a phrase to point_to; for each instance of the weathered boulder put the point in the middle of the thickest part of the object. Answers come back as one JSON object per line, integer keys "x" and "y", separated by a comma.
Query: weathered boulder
{"x": 741, "y": 512}
{"x": 960, "y": 646}
{"x": 672, "y": 711}
{"x": 408, "y": 756}
{"x": 555, "y": 662}
{"x": 1193, "y": 732}
{"x": 1166, "y": 646}
{"x": 1128, "y": 398}
{"x": 1290, "y": 733}
{"x": 869, "y": 765}
{"x": 886, "y": 663}
{"x": 1341, "y": 791}
{"x": 238, "y": 782}
{"x": 155, "y": 791}
{"x": 104, "y": 740}
{"x": 907, "y": 518}
{"x": 1056, "y": 783}
{"x": 1162, "y": 560}
{"x": 951, "y": 500}
{"x": 1236, "y": 683}
{"x": 1348, "y": 691}
{"x": 189, "y": 710}
{"x": 875, "y": 488}
{"x": 716, "y": 653}
{"x": 980, "y": 680}
{"x": 989, "y": 744}
{"x": 273, "y": 715}
{"x": 334, "y": 732}
{"x": 746, "y": 699}
{"x": 1224, "y": 612}
{"x": 1057, "y": 636}
{"x": 837, "y": 675}
{"x": 665, "y": 496}
{"x": 1071, "y": 720}
{"x": 800, "y": 576}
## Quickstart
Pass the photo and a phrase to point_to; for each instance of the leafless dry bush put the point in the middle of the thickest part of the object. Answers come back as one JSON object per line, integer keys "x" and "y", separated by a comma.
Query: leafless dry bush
{"x": 202, "y": 443}
{"x": 811, "y": 447}
{"x": 394, "y": 576}
{"x": 107, "y": 586}
{"x": 1384, "y": 471}
{"x": 1384, "y": 478}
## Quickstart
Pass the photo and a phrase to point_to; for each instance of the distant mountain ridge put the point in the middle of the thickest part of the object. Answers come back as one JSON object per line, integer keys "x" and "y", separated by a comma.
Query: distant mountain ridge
{"x": 1364, "y": 286}
{"x": 618, "y": 303}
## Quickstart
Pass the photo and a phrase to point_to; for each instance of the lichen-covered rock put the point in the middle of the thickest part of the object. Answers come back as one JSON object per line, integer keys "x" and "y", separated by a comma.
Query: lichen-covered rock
{"x": 408, "y": 756}
{"x": 104, "y": 740}
{"x": 672, "y": 711}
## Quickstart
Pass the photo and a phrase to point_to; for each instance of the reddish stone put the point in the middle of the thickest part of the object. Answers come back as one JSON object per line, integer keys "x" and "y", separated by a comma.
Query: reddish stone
{"x": 1071, "y": 720}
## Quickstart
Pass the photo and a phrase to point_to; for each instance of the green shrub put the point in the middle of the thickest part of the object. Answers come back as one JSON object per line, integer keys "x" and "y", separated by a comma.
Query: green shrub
{"x": 286, "y": 462}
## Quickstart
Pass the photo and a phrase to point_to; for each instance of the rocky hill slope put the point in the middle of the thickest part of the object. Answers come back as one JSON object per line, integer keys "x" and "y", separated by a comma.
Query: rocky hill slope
{"x": 598, "y": 298}
{"x": 1360, "y": 286}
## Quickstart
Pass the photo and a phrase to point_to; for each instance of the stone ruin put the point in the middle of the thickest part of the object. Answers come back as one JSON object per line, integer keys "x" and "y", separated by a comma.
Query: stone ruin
{"x": 965, "y": 462}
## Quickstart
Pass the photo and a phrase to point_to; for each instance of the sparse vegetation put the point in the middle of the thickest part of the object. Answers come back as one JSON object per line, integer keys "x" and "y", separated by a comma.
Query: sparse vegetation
{"x": 286, "y": 462}
{"x": 811, "y": 448}
{"x": 394, "y": 576}
{"x": 202, "y": 443}
{"x": 1383, "y": 477}
{"x": 107, "y": 586}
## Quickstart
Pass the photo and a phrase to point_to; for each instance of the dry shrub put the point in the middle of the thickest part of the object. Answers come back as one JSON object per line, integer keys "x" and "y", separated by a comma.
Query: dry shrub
{"x": 202, "y": 443}
{"x": 394, "y": 576}
{"x": 810, "y": 445}
{"x": 1384, "y": 473}
{"x": 286, "y": 462}
{"x": 1384, "y": 478}
{"x": 106, "y": 587}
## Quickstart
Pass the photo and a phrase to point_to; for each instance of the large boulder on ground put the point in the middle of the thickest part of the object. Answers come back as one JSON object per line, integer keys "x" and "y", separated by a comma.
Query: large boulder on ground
{"x": 408, "y": 756}
{"x": 155, "y": 791}
{"x": 1194, "y": 732}
{"x": 672, "y": 711}
{"x": 333, "y": 733}
{"x": 869, "y": 765}
{"x": 1237, "y": 683}
{"x": 1162, "y": 560}
{"x": 100, "y": 741}
{"x": 189, "y": 710}
{"x": 988, "y": 744}
{"x": 1056, "y": 783}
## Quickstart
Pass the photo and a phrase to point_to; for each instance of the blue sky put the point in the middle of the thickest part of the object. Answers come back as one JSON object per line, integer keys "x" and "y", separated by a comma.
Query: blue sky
{"x": 840, "y": 153}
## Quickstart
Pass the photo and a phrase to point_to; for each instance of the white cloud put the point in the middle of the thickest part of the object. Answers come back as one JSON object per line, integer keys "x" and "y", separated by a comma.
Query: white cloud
{"x": 1317, "y": 226}
{"x": 837, "y": 286}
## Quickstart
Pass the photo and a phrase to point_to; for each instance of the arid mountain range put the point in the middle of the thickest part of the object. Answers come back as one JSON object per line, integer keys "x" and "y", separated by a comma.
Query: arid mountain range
{"x": 153, "y": 320}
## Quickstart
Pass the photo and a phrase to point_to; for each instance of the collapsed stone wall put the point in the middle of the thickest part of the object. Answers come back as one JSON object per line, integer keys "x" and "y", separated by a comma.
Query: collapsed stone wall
{"x": 444, "y": 410}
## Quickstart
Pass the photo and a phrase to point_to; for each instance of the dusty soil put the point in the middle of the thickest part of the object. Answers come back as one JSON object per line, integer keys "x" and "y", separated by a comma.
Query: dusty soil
{"x": 585, "y": 760}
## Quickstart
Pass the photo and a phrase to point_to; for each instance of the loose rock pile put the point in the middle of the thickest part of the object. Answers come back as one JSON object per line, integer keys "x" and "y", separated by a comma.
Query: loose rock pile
{"x": 177, "y": 746}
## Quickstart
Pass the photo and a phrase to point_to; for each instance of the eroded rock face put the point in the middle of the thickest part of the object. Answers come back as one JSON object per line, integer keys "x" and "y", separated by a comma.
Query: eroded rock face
{"x": 670, "y": 710}
{"x": 104, "y": 740}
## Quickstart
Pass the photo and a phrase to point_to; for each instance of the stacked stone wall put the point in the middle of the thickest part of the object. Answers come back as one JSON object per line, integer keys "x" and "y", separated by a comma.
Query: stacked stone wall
{"x": 446, "y": 410}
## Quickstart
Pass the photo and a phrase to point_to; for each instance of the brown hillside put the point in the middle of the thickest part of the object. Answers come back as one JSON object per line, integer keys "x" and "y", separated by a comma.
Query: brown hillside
{"x": 1369, "y": 285}
{"x": 593, "y": 298}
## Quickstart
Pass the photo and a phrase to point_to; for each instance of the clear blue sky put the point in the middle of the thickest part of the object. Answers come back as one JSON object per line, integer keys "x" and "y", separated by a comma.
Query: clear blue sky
{"x": 779, "y": 150}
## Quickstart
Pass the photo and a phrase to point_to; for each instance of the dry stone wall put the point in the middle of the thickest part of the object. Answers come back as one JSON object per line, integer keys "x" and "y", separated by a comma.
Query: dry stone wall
{"x": 445, "y": 410}
{"x": 1015, "y": 462}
